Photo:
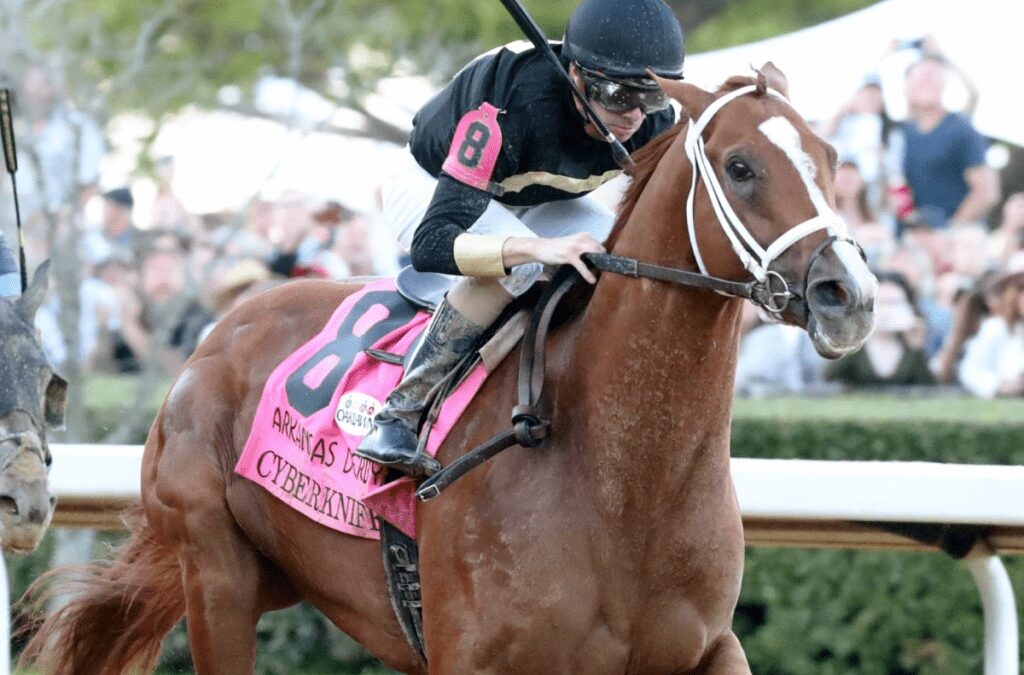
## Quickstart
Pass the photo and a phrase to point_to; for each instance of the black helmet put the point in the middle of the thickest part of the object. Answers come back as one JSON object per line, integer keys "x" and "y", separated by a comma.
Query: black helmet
{"x": 622, "y": 38}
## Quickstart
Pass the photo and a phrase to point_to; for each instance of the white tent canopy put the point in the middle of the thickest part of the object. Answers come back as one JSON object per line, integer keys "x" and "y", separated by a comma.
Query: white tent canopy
{"x": 825, "y": 64}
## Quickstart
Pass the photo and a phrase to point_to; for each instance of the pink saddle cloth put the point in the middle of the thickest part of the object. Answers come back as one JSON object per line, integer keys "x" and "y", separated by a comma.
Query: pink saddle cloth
{"x": 319, "y": 403}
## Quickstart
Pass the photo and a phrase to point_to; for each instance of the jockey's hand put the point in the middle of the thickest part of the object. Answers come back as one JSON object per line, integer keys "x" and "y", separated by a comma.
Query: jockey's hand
{"x": 558, "y": 251}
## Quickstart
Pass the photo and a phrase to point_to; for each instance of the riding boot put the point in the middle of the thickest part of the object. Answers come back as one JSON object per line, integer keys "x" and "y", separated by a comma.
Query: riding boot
{"x": 393, "y": 440}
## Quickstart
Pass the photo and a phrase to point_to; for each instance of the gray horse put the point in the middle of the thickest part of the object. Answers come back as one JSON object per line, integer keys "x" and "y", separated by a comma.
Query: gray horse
{"x": 31, "y": 399}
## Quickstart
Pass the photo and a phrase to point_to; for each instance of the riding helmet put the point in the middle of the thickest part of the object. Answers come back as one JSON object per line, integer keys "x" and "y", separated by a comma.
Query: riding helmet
{"x": 622, "y": 38}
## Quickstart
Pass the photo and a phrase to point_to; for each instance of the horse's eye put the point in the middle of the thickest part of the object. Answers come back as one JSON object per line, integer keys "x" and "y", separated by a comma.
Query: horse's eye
{"x": 739, "y": 171}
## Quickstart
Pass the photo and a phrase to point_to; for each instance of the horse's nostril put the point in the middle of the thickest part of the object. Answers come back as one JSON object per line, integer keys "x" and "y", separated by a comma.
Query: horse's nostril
{"x": 9, "y": 506}
{"x": 53, "y": 501}
{"x": 830, "y": 294}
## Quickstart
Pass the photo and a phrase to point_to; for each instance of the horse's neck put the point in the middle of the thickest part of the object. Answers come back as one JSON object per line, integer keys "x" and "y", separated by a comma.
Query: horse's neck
{"x": 656, "y": 362}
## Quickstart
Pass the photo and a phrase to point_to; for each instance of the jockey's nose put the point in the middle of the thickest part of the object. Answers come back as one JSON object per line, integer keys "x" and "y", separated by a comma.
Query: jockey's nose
{"x": 634, "y": 115}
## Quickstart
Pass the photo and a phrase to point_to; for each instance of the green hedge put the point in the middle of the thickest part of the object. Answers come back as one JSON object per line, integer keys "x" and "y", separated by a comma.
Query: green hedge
{"x": 801, "y": 612}
{"x": 869, "y": 612}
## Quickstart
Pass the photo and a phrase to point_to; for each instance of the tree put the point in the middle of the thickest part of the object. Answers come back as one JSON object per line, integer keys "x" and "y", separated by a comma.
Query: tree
{"x": 156, "y": 56}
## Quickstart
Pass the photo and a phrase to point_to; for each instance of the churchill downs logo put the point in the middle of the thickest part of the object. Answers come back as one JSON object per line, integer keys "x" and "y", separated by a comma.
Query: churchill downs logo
{"x": 355, "y": 413}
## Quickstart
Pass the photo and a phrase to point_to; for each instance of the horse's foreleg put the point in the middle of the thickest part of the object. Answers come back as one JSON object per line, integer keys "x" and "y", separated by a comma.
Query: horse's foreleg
{"x": 725, "y": 658}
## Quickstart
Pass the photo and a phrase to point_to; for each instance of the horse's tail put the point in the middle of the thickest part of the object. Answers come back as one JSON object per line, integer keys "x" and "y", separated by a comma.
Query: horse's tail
{"x": 118, "y": 612}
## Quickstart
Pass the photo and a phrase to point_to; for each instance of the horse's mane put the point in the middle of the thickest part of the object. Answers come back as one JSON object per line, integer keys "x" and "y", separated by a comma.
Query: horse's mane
{"x": 647, "y": 158}
{"x": 645, "y": 161}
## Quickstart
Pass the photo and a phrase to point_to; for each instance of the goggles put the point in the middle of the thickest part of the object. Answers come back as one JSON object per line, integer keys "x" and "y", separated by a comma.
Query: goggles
{"x": 619, "y": 97}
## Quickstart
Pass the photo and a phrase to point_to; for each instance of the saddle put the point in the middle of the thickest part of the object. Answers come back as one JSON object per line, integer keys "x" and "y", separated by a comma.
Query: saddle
{"x": 528, "y": 429}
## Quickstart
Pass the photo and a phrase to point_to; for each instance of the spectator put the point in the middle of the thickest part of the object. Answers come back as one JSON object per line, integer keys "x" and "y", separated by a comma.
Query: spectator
{"x": 858, "y": 132}
{"x": 925, "y": 228}
{"x": 1011, "y": 230}
{"x": 970, "y": 307}
{"x": 234, "y": 281}
{"x": 64, "y": 146}
{"x": 944, "y": 156}
{"x": 154, "y": 319}
{"x": 167, "y": 212}
{"x": 852, "y": 204}
{"x": 10, "y": 275}
{"x": 967, "y": 256}
{"x": 914, "y": 264}
{"x": 774, "y": 358}
{"x": 296, "y": 234}
{"x": 894, "y": 353}
{"x": 259, "y": 218}
{"x": 349, "y": 253}
{"x": 993, "y": 363}
{"x": 98, "y": 314}
{"x": 118, "y": 226}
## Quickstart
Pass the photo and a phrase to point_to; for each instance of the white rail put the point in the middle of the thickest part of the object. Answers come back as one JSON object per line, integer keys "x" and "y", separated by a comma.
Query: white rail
{"x": 810, "y": 504}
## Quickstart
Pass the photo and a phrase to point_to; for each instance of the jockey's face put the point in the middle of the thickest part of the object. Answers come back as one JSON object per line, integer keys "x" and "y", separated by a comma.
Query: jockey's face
{"x": 622, "y": 124}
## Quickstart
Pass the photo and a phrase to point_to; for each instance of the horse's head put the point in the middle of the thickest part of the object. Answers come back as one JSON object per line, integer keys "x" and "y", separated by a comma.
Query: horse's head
{"x": 762, "y": 203}
{"x": 31, "y": 397}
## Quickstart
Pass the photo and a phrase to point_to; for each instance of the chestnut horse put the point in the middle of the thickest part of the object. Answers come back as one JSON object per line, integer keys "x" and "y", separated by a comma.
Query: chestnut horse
{"x": 616, "y": 548}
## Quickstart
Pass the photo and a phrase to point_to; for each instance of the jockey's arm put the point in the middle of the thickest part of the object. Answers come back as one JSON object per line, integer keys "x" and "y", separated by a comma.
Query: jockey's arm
{"x": 455, "y": 207}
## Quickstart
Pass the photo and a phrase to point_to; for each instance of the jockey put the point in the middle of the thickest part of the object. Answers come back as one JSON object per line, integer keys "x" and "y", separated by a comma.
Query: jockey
{"x": 10, "y": 279}
{"x": 494, "y": 186}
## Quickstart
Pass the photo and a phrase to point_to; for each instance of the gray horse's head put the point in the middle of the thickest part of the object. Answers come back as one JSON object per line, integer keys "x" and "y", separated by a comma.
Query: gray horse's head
{"x": 31, "y": 399}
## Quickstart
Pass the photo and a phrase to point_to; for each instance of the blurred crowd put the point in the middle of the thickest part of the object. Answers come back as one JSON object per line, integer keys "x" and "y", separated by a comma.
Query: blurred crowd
{"x": 917, "y": 193}
{"x": 920, "y": 198}
{"x": 148, "y": 295}
{"x": 156, "y": 293}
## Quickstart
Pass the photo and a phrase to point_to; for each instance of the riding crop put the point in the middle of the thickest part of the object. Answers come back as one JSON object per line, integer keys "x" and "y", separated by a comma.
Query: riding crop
{"x": 11, "y": 157}
{"x": 536, "y": 36}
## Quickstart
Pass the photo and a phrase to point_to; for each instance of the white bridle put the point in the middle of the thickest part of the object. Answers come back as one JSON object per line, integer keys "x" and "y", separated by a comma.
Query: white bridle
{"x": 754, "y": 257}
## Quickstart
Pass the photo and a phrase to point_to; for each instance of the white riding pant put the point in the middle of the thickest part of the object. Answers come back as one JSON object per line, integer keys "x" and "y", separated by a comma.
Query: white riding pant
{"x": 406, "y": 195}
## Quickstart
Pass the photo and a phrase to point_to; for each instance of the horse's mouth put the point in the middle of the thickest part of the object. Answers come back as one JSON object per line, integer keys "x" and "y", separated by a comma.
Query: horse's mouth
{"x": 21, "y": 538}
{"x": 826, "y": 345}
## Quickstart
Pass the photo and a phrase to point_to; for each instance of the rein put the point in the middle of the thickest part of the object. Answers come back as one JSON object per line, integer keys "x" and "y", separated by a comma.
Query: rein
{"x": 761, "y": 293}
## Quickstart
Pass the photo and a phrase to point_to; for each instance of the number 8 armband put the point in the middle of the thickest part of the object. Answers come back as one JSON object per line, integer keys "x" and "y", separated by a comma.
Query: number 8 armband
{"x": 475, "y": 148}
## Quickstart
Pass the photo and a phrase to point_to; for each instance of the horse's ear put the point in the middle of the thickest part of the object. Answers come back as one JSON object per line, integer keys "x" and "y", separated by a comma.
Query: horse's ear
{"x": 56, "y": 401}
{"x": 29, "y": 302}
{"x": 770, "y": 76}
{"x": 693, "y": 99}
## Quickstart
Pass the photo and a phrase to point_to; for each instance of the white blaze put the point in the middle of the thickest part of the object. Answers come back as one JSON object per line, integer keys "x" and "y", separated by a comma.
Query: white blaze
{"x": 784, "y": 135}
{"x": 781, "y": 132}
